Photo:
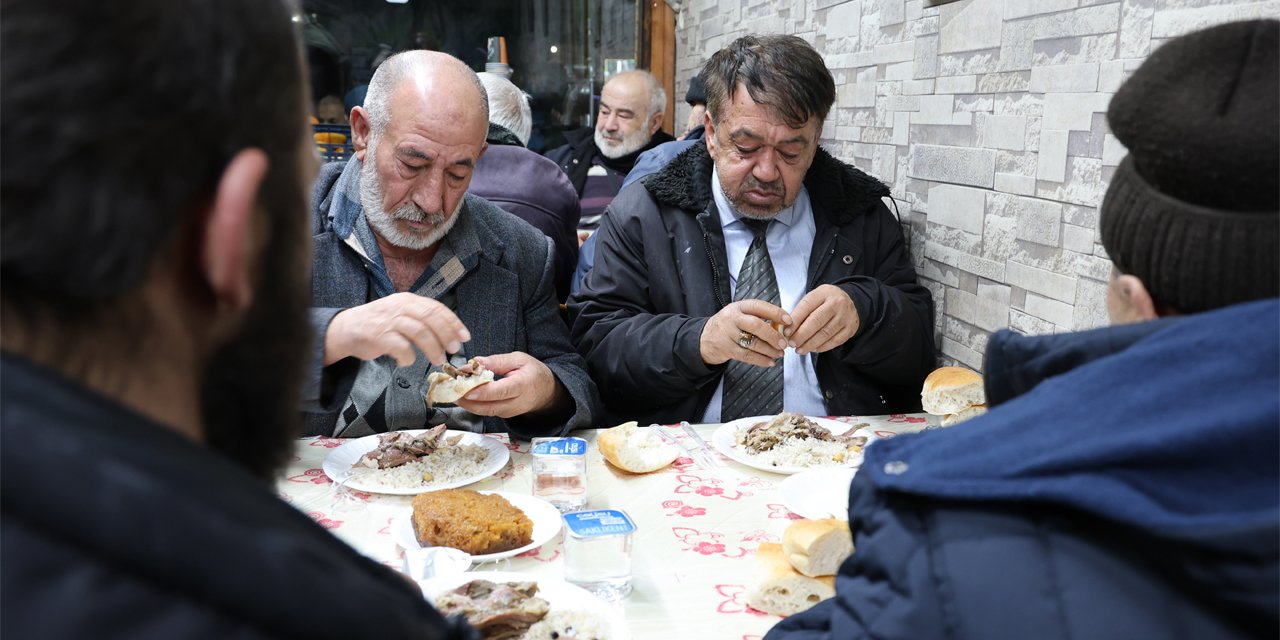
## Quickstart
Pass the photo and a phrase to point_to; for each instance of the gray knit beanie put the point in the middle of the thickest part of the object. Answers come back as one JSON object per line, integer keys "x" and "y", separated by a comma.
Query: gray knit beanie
{"x": 1194, "y": 210}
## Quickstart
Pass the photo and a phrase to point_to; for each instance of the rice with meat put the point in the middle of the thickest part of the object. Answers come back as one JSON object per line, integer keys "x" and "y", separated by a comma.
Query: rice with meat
{"x": 442, "y": 466}
{"x": 580, "y": 625}
{"x": 806, "y": 452}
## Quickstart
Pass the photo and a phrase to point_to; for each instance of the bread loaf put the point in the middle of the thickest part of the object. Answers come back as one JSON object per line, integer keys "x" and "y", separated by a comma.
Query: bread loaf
{"x": 777, "y": 588}
{"x": 955, "y": 393}
{"x": 963, "y": 414}
{"x": 636, "y": 449}
{"x": 817, "y": 547}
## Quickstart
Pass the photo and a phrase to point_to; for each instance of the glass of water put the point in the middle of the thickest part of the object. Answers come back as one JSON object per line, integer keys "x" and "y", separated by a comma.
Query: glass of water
{"x": 597, "y": 552}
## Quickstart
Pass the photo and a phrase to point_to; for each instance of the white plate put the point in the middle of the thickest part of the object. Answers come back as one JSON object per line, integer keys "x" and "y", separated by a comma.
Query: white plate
{"x": 546, "y": 524}
{"x": 818, "y": 493}
{"x": 559, "y": 594}
{"x": 338, "y": 464}
{"x": 723, "y": 441}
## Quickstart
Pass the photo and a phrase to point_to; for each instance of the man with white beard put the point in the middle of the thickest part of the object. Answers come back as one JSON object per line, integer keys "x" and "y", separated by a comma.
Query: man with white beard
{"x": 411, "y": 271}
{"x": 632, "y": 105}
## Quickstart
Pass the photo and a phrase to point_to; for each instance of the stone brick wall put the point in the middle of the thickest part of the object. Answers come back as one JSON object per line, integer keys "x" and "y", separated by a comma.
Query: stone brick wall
{"x": 987, "y": 119}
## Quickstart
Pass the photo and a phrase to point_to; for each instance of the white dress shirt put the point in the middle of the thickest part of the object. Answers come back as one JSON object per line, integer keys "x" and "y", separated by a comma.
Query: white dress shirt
{"x": 790, "y": 240}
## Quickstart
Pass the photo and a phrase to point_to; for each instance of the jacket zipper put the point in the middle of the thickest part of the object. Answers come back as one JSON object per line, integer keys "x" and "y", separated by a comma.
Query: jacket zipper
{"x": 711, "y": 257}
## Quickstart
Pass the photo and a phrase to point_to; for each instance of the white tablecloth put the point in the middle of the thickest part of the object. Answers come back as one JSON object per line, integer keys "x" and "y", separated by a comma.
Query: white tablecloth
{"x": 698, "y": 524}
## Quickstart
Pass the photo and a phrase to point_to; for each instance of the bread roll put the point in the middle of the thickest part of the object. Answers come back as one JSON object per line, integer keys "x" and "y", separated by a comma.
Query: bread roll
{"x": 963, "y": 414}
{"x": 952, "y": 390}
{"x": 777, "y": 588}
{"x": 817, "y": 547}
{"x": 636, "y": 449}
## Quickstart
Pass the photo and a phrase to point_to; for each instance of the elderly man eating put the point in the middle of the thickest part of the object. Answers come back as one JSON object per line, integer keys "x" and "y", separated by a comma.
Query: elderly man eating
{"x": 410, "y": 268}
{"x": 756, "y": 273}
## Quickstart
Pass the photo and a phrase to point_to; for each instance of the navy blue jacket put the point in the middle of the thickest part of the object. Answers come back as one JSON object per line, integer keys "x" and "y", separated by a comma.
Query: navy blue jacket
{"x": 112, "y": 526}
{"x": 1133, "y": 492}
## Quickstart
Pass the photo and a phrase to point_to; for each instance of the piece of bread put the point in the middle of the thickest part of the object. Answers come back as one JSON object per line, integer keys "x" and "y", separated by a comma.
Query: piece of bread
{"x": 448, "y": 386}
{"x": 636, "y": 449}
{"x": 777, "y": 588}
{"x": 478, "y": 523}
{"x": 952, "y": 390}
{"x": 817, "y": 547}
{"x": 963, "y": 414}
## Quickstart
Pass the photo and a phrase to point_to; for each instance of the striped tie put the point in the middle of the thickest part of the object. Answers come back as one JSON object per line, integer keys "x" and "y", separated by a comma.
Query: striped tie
{"x": 750, "y": 390}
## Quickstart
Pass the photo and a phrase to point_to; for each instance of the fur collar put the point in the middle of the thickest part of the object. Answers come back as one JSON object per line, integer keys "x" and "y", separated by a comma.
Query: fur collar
{"x": 839, "y": 189}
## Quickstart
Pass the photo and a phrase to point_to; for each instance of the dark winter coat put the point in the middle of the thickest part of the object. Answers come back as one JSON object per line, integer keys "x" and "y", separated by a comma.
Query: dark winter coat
{"x": 661, "y": 273}
{"x": 576, "y": 157}
{"x": 536, "y": 191}
{"x": 116, "y": 527}
{"x": 1131, "y": 490}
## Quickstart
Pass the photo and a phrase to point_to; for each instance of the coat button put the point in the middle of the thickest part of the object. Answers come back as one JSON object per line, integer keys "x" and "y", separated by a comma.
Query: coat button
{"x": 895, "y": 468}
{"x": 847, "y": 259}
{"x": 828, "y": 395}
{"x": 402, "y": 383}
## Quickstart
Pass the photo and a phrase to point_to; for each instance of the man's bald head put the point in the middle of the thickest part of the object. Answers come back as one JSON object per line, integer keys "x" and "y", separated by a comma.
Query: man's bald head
{"x": 432, "y": 73}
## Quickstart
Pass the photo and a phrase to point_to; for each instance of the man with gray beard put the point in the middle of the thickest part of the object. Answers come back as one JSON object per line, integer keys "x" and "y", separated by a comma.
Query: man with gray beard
{"x": 632, "y": 105}
{"x": 411, "y": 271}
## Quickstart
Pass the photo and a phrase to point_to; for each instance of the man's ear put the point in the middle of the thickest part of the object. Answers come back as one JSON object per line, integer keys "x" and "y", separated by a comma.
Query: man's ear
{"x": 709, "y": 134}
{"x": 1136, "y": 298}
{"x": 360, "y": 130}
{"x": 656, "y": 122}
{"x": 228, "y": 239}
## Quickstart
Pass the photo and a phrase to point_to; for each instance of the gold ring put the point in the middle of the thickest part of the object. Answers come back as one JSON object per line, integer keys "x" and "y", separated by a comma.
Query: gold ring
{"x": 745, "y": 339}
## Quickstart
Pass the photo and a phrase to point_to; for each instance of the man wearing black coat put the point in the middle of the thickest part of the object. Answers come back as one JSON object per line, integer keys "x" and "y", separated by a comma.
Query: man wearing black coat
{"x": 660, "y": 319}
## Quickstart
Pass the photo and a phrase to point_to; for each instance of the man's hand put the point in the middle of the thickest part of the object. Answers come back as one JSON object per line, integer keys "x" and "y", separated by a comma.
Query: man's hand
{"x": 393, "y": 326}
{"x": 719, "y": 342}
{"x": 527, "y": 386}
{"x": 824, "y": 320}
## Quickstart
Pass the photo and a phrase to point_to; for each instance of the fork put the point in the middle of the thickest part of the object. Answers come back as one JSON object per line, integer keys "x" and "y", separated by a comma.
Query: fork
{"x": 708, "y": 454}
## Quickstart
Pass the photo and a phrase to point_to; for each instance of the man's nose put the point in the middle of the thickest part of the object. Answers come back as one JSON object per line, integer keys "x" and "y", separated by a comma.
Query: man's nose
{"x": 766, "y": 167}
{"x": 611, "y": 122}
{"x": 428, "y": 194}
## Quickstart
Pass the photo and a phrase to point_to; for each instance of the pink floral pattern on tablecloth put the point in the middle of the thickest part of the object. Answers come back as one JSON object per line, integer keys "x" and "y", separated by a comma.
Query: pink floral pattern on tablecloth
{"x": 777, "y": 511}
{"x": 324, "y": 521}
{"x": 735, "y": 600}
{"x": 707, "y": 543}
{"x": 679, "y": 508}
{"x": 314, "y": 476}
{"x": 706, "y": 487}
{"x": 328, "y": 443}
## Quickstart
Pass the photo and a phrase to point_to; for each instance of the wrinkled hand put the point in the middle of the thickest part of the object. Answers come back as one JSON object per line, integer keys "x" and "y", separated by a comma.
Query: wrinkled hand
{"x": 393, "y": 326}
{"x": 719, "y": 342}
{"x": 824, "y": 320}
{"x": 527, "y": 386}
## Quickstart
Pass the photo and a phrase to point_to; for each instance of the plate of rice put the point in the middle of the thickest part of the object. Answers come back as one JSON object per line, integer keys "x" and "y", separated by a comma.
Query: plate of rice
{"x": 562, "y": 610}
{"x": 458, "y": 459}
{"x": 789, "y": 443}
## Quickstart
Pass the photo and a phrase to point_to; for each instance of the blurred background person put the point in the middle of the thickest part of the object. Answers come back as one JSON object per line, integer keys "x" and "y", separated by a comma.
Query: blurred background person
{"x": 628, "y": 123}
{"x": 523, "y": 182}
{"x": 329, "y": 110}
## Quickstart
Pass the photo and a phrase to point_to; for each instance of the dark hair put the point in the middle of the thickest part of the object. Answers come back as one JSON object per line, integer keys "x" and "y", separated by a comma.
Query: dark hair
{"x": 119, "y": 119}
{"x": 782, "y": 72}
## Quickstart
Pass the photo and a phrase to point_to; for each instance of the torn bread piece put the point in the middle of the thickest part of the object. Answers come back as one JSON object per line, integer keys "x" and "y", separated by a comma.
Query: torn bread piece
{"x": 451, "y": 383}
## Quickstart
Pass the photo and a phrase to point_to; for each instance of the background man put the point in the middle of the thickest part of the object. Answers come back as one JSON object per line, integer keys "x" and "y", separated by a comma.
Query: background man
{"x": 523, "y": 182}
{"x": 651, "y": 161}
{"x": 329, "y": 111}
{"x": 1126, "y": 486}
{"x": 680, "y": 265}
{"x": 153, "y": 306}
{"x": 409, "y": 267}
{"x": 629, "y": 122}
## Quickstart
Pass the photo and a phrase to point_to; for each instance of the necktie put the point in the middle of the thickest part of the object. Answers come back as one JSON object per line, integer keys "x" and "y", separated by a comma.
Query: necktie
{"x": 750, "y": 390}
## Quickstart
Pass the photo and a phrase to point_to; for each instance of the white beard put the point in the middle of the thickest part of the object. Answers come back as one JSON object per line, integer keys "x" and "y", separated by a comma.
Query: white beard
{"x": 611, "y": 149}
{"x": 384, "y": 223}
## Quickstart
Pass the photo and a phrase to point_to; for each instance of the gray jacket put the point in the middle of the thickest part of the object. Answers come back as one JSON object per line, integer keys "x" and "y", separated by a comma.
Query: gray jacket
{"x": 506, "y": 298}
